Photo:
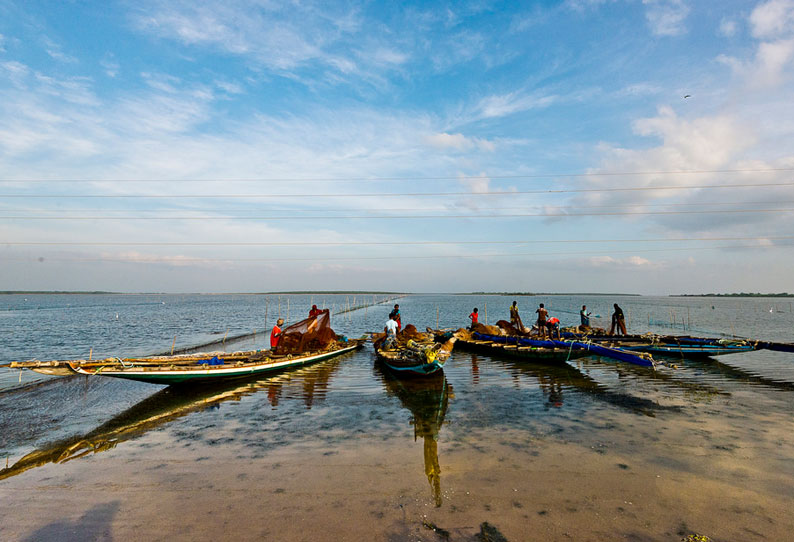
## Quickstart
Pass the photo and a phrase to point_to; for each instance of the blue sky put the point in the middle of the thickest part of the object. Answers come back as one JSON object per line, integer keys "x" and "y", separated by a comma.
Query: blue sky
{"x": 642, "y": 146}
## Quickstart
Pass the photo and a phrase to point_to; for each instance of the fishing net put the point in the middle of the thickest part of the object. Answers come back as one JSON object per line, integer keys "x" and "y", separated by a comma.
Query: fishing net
{"x": 313, "y": 333}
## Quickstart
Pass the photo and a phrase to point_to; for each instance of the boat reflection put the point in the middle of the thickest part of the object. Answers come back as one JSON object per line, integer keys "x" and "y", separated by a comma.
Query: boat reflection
{"x": 308, "y": 384}
{"x": 426, "y": 398}
{"x": 555, "y": 380}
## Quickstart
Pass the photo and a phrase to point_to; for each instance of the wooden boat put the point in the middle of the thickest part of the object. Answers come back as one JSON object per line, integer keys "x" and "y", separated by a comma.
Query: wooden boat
{"x": 501, "y": 344}
{"x": 419, "y": 355}
{"x": 308, "y": 341}
{"x": 217, "y": 366}
{"x": 668, "y": 345}
{"x": 540, "y": 354}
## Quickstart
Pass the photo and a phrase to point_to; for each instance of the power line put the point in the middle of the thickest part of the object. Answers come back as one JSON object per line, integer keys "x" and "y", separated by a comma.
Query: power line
{"x": 383, "y": 243}
{"x": 407, "y": 178}
{"x": 393, "y": 217}
{"x": 315, "y": 258}
{"x": 394, "y": 194}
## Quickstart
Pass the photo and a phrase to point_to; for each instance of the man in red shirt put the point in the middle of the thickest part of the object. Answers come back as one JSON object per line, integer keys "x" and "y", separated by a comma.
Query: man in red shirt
{"x": 275, "y": 335}
{"x": 474, "y": 317}
{"x": 315, "y": 311}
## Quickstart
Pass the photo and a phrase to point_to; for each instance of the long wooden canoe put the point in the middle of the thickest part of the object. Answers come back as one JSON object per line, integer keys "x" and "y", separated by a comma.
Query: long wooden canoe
{"x": 206, "y": 367}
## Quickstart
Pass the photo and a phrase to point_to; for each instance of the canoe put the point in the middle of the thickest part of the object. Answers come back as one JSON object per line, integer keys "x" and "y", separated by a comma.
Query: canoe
{"x": 619, "y": 354}
{"x": 669, "y": 345}
{"x": 196, "y": 368}
{"x": 551, "y": 355}
{"x": 413, "y": 359}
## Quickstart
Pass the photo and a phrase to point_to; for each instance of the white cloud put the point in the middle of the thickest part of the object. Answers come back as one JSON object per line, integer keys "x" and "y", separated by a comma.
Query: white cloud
{"x": 110, "y": 65}
{"x": 666, "y": 17}
{"x": 458, "y": 142}
{"x": 507, "y": 104}
{"x": 773, "y": 19}
{"x": 630, "y": 261}
{"x": 727, "y": 28}
{"x": 55, "y": 51}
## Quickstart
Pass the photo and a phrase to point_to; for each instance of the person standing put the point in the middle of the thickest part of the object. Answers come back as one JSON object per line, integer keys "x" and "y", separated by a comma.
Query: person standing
{"x": 314, "y": 311}
{"x": 618, "y": 321}
{"x": 474, "y": 317}
{"x": 515, "y": 319}
{"x": 395, "y": 315}
{"x": 585, "y": 316}
{"x": 542, "y": 315}
{"x": 391, "y": 330}
{"x": 275, "y": 335}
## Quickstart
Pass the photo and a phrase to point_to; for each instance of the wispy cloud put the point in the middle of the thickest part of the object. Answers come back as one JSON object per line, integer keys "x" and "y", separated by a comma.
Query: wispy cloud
{"x": 666, "y": 17}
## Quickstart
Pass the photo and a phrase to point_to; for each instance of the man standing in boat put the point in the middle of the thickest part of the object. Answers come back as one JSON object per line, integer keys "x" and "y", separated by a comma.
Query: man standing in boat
{"x": 515, "y": 319}
{"x": 275, "y": 335}
{"x": 542, "y": 315}
{"x": 314, "y": 311}
{"x": 618, "y": 321}
{"x": 474, "y": 317}
{"x": 391, "y": 333}
{"x": 395, "y": 315}
{"x": 585, "y": 316}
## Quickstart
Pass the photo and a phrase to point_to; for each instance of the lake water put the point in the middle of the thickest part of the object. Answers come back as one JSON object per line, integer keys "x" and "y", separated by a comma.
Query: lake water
{"x": 590, "y": 450}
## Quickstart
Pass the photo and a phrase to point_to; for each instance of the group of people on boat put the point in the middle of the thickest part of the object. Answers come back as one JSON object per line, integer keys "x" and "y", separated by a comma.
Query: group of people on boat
{"x": 276, "y": 332}
{"x": 550, "y": 325}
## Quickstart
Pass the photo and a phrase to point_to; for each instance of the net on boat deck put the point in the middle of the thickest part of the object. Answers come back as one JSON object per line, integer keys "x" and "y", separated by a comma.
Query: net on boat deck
{"x": 313, "y": 333}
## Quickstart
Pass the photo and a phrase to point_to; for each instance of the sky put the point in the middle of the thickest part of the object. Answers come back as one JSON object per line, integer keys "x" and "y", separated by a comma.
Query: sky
{"x": 635, "y": 146}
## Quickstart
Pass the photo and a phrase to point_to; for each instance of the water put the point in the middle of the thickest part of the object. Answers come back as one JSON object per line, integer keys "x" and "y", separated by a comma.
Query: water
{"x": 592, "y": 450}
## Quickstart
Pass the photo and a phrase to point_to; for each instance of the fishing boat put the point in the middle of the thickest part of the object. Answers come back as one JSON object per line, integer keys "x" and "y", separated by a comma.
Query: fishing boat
{"x": 540, "y": 354}
{"x": 668, "y": 345}
{"x": 308, "y": 341}
{"x": 556, "y": 350}
{"x": 413, "y": 353}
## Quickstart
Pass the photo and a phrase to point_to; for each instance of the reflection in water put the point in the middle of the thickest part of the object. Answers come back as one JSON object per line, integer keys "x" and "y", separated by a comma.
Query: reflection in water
{"x": 426, "y": 397}
{"x": 175, "y": 402}
{"x": 554, "y": 380}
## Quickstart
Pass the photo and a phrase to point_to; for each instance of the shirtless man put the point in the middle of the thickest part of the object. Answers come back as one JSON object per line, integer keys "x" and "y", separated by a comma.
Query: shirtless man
{"x": 542, "y": 315}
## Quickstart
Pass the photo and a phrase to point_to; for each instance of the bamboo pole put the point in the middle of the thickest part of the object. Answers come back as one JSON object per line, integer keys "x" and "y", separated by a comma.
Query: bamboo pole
{"x": 173, "y": 344}
{"x": 91, "y": 351}
{"x": 486, "y": 314}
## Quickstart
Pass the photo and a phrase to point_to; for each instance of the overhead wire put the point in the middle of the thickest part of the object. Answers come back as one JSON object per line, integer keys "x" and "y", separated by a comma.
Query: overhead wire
{"x": 389, "y": 243}
{"x": 396, "y": 217}
{"x": 316, "y": 258}
{"x": 410, "y": 177}
{"x": 397, "y": 194}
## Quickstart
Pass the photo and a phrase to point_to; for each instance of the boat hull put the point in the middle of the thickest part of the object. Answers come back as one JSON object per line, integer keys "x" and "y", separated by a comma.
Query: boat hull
{"x": 184, "y": 375}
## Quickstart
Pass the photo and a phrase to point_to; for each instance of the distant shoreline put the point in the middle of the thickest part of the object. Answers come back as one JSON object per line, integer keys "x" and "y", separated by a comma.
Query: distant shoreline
{"x": 742, "y": 294}
{"x": 308, "y": 292}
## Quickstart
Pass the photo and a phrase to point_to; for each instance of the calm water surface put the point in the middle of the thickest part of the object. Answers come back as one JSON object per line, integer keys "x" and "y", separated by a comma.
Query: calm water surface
{"x": 591, "y": 450}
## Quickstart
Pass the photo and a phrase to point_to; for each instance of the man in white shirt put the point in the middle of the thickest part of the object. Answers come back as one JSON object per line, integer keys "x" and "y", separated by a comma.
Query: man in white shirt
{"x": 391, "y": 333}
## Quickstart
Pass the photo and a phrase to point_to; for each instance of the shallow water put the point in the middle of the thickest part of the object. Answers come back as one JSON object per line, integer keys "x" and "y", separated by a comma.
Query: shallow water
{"x": 592, "y": 450}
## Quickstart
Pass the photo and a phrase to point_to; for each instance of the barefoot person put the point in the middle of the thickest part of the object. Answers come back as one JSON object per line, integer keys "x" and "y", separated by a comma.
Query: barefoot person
{"x": 618, "y": 321}
{"x": 474, "y": 317}
{"x": 275, "y": 335}
{"x": 515, "y": 319}
{"x": 542, "y": 315}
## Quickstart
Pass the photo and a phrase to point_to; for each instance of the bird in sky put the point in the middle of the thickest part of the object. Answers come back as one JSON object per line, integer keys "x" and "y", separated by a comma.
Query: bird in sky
{"x": 687, "y": 96}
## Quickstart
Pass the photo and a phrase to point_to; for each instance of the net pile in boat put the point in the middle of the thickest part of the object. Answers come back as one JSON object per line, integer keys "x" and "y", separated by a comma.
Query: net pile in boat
{"x": 313, "y": 333}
